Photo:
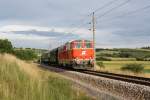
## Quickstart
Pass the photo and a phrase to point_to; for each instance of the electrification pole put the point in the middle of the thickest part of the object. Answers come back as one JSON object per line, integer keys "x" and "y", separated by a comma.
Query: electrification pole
{"x": 93, "y": 30}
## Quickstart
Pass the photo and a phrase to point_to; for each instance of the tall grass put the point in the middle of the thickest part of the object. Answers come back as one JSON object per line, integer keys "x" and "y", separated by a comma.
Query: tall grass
{"x": 18, "y": 83}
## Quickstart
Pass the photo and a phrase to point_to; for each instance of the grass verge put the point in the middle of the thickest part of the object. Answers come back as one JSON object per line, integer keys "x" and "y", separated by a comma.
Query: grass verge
{"x": 23, "y": 81}
{"x": 115, "y": 66}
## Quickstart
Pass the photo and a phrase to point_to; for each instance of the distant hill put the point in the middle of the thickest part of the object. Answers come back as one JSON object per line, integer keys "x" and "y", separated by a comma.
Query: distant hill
{"x": 131, "y": 54}
{"x": 148, "y": 47}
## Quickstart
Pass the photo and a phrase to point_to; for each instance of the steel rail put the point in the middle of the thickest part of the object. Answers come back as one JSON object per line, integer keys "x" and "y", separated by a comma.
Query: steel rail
{"x": 125, "y": 78}
{"x": 121, "y": 77}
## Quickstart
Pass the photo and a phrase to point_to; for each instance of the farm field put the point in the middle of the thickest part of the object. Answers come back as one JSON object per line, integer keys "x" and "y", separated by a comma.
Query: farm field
{"x": 115, "y": 66}
{"x": 21, "y": 80}
{"x": 114, "y": 59}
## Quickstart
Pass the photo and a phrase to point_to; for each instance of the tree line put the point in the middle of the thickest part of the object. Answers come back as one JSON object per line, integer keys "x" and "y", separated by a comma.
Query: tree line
{"x": 24, "y": 54}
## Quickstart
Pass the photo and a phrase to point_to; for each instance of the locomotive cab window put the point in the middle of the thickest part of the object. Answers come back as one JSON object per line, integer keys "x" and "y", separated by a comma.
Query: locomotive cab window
{"x": 78, "y": 45}
{"x": 68, "y": 46}
{"x": 88, "y": 45}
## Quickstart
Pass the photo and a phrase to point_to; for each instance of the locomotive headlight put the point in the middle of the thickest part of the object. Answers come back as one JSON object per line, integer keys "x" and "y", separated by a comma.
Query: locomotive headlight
{"x": 77, "y": 61}
{"x": 91, "y": 61}
{"x": 83, "y": 52}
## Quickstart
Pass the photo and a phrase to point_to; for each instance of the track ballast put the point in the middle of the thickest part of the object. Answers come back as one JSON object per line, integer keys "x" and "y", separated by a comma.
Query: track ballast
{"x": 121, "y": 77}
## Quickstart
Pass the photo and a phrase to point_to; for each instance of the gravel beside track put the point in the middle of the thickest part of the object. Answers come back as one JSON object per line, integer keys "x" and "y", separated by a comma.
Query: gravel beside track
{"x": 126, "y": 78}
{"x": 108, "y": 87}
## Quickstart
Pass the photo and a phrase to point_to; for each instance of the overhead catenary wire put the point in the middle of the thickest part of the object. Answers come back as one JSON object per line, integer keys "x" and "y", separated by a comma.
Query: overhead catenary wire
{"x": 127, "y": 13}
{"x": 134, "y": 11}
{"x": 122, "y": 15}
{"x": 83, "y": 23}
{"x": 104, "y": 6}
{"x": 98, "y": 9}
{"x": 112, "y": 9}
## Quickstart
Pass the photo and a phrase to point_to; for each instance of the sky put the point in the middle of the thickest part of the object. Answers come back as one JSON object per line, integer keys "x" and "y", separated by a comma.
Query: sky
{"x": 48, "y": 24}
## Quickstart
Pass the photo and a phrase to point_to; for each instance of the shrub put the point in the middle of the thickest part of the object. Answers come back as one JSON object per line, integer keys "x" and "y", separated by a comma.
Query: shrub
{"x": 25, "y": 54}
{"x": 123, "y": 59}
{"x": 136, "y": 68}
{"x": 124, "y": 54}
{"x": 140, "y": 58}
{"x": 101, "y": 64}
{"x": 98, "y": 58}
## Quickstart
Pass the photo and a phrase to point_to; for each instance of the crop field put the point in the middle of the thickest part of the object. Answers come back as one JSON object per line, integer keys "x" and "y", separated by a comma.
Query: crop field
{"x": 120, "y": 59}
{"x": 20, "y": 80}
{"x": 115, "y": 59}
{"x": 118, "y": 64}
{"x": 129, "y": 53}
{"x": 115, "y": 66}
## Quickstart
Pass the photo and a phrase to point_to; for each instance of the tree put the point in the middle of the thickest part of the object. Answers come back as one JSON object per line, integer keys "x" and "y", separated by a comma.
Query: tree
{"x": 136, "y": 68}
{"x": 5, "y": 46}
{"x": 25, "y": 54}
{"x": 125, "y": 54}
{"x": 101, "y": 64}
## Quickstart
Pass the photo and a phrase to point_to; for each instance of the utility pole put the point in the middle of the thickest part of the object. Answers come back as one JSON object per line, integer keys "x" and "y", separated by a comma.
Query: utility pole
{"x": 93, "y": 30}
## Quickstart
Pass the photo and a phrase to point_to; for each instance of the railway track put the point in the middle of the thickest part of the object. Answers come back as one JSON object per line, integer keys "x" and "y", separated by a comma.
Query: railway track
{"x": 139, "y": 90}
{"x": 121, "y": 77}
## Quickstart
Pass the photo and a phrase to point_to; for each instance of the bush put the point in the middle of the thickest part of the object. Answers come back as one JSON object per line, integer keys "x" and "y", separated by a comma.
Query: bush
{"x": 136, "y": 68}
{"x": 123, "y": 59}
{"x": 5, "y": 46}
{"x": 101, "y": 64}
{"x": 140, "y": 58}
{"x": 25, "y": 54}
{"x": 98, "y": 58}
{"x": 125, "y": 54}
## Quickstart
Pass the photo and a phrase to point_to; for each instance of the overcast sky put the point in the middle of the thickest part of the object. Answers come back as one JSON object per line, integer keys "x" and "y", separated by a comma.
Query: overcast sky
{"x": 49, "y": 23}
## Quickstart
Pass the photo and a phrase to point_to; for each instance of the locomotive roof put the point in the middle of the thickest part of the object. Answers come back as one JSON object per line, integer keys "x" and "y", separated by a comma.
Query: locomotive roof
{"x": 79, "y": 40}
{"x": 70, "y": 42}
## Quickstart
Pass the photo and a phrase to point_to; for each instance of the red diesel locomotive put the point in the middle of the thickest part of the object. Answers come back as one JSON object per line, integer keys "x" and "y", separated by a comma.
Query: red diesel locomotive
{"x": 76, "y": 54}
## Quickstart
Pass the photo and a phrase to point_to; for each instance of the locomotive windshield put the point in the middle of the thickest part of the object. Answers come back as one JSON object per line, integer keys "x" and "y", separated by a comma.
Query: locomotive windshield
{"x": 82, "y": 44}
{"x": 88, "y": 45}
{"x": 78, "y": 45}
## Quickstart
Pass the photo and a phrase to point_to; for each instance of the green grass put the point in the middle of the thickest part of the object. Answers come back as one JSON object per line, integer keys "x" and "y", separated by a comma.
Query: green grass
{"x": 106, "y": 52}
{"x": 147, "y": 70}
{"x": 16, "y": 84}
{"x": 135, "y": 68}
{"x": 134, "y": 54}
{"x": 121, "y": 59}
{"x": 116, "y": 65}
{"x": 114, "y": 59}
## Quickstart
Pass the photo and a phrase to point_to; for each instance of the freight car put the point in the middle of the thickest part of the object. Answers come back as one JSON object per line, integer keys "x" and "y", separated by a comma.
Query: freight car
{"x": 75, "y": 54}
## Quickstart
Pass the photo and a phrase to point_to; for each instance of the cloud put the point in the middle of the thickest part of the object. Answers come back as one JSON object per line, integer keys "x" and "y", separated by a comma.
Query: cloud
{"x": 36, "y": 35}
{"x": 36, "y": 22}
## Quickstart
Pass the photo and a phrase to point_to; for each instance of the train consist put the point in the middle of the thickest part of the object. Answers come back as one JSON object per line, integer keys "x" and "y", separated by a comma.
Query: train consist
{"x": 75, "y": 54}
